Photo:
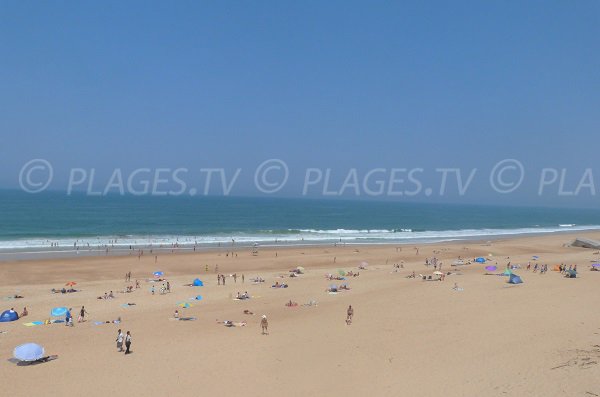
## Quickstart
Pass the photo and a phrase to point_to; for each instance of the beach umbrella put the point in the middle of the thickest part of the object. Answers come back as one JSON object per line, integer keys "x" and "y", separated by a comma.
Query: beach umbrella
{"x": 491, "y": 268}
{"x": 341, "y": 272}
{"x": 507, "y": 272}
{"x": 535, "y": 257}
{"x": 198, "y": 283}
{"x": 158, "y": 274}
{"x": 70, "y": 283}
{"x": 58, "y": 311}
{"x": 184, "y": 305}
{"x": 28, "y": 352}
{"x": 198, "y": 298}
{"x": 480, "y": 260}
{"x": 8, "y": 316}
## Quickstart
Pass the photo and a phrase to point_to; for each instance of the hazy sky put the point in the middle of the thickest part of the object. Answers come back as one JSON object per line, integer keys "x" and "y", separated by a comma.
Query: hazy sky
{"x": 337, "y": 85}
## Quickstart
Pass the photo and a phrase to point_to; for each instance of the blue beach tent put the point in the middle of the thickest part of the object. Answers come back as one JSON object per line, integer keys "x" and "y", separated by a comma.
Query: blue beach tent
{"x": 480, "y": 260}
{"x": 198, "y": 283}
{"x": 514, "y": 279}
{"x": 8, "y": 315}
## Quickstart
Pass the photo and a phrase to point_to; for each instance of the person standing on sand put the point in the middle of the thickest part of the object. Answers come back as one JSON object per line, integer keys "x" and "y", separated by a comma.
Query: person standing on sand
{"x": 264, "y": 325}
{"x": 349, "y": 315}
{"x": 127, "y": 342}
{"x": 82, "y": 314}
{"x": 119, "y": 340}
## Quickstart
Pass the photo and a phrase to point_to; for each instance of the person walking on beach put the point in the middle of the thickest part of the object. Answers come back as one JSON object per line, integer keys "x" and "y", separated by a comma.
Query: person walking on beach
{"x": 119, "y": 340}
{"x": 82, "y": 314}
{"x": 264, "y": 325}
{"x": 68, "y": 318}
{"x": 127, "y": 343}
{"x": 349, "y": 315}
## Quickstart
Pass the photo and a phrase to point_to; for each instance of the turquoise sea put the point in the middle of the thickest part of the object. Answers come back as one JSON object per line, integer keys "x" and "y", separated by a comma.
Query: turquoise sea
{"x": 30, "y": 222}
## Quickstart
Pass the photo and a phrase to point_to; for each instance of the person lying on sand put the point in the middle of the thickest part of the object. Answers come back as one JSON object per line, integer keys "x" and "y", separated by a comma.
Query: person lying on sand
{"x": 291, "y": 304}
{"x": 248, "y": 312}
{"x": 229, "y": 323}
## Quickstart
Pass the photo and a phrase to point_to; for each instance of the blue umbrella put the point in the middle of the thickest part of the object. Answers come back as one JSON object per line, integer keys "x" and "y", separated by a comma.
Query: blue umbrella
{"x": 59, "y": 311}
{"x": 158, "y": 274}
{"x": 480, "y": 260}
{"x": 199, "y": 298}
{"x": 28, "y": 352}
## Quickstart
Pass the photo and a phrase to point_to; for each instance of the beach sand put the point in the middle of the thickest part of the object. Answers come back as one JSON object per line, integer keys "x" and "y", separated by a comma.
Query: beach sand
{"x": 408, "y": 337}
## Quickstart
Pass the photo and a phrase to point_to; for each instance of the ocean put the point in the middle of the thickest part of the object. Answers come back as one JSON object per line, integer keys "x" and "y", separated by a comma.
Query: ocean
{"x": 35, "y": 222}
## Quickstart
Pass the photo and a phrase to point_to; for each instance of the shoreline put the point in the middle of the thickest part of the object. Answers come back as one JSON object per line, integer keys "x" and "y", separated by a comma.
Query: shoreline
{"x": 182, "y": 249}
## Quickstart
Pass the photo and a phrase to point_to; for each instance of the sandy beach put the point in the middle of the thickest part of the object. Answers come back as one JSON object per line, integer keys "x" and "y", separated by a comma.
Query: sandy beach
{"x": 408, "y": 336}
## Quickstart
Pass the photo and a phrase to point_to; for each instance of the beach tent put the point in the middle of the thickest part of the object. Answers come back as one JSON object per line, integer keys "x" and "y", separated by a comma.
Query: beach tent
{"x": 58, "y": 311}
{"x": 480, "y": 260}
{"x": 8, "y": 315}
{"x": 535, "y": 257}
{"x": 28, "y": 352}
{"x": 514, "y": 279}
{"x": 198, "y": 283}
{"x": 571, "y": 274}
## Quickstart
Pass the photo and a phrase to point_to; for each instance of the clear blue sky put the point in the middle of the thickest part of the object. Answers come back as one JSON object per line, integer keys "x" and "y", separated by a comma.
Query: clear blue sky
{"x": 317, "y": 84}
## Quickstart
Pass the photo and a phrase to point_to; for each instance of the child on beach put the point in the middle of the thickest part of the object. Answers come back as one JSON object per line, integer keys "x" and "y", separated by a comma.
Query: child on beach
{"x": 264, "y": 324}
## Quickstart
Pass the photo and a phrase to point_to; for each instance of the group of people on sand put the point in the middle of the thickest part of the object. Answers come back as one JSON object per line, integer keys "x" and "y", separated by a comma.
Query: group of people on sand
{"x": 243, "y": 296}
{"x": 107, "y": 295}
{"x": 537, "y": 267}
{"x": 63, "y": 290}
{"x": 123, "y": 338}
